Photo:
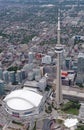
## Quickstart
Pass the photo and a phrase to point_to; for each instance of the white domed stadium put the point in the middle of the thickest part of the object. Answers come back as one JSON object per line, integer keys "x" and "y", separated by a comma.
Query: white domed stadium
{"x": 22, "y": 103}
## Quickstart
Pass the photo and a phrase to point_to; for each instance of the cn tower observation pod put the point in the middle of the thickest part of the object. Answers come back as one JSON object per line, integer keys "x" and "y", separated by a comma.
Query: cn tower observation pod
{"x": 22, "y": 103}
{"x": 59, "y": 48}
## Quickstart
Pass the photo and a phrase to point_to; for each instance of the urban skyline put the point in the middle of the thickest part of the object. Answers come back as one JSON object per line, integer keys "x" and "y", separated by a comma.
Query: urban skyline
{"x": 42, "y": 51}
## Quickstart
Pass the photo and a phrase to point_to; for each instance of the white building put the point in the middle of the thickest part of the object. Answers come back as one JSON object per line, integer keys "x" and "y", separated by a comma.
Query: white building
{"x": 71, "y": 123}
{"x": 42, "y": 84}
{"x": 22, "y": 103}
{"x": 46, "y": 59}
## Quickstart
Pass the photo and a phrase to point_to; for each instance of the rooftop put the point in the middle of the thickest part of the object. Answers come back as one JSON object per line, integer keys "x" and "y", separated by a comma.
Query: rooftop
{"x": 70, "y": 122}
{"x": 81, "y": 55}
{"x": 23, "y": 100}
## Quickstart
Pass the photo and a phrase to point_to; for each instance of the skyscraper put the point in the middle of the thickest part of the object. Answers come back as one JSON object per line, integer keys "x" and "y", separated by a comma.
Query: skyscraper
{"x": 1, "y": 87}
{"x": 12, "y": 77}
{"x": 58, "y": 50}
{"x": 5, "y": 76}
{"x": 81, "y": 63}
{"x": 80, "y": 74}
{"x": 19, "y": 76}
{"x": 1, "y": 73}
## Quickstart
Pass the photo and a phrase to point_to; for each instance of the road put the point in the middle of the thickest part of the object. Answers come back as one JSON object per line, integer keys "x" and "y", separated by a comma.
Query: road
{"x": 73, "y": 92}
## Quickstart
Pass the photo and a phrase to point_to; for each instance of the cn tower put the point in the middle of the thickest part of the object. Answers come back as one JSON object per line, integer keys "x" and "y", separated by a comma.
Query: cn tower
{"x": 59, "y": 51}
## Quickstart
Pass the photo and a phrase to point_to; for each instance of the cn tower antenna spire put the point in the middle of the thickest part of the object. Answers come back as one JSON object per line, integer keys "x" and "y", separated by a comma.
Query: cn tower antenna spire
{"x": 58, "y": 29}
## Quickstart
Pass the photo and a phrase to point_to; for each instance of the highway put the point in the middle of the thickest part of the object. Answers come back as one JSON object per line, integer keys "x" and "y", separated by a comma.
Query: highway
{"x": 73, "y": 93}
{"x": 68, "y": 91}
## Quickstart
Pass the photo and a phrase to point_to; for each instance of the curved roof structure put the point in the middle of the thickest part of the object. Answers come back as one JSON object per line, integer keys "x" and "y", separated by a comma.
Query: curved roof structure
{"x": 22, "y": 100}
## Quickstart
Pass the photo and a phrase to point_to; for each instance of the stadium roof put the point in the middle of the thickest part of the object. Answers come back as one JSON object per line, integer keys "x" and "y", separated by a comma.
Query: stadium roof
{"x": 21, "y": 100}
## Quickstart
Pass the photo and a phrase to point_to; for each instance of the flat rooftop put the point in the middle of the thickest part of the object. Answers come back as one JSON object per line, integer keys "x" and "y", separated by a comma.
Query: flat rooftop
{"x": 33, "y": 84}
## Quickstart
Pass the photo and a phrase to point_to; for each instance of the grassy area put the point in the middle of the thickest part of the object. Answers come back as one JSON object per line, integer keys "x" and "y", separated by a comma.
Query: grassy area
{"x": 48, "y": 109}
{"x": 59, "y": 121}
{"x": 34, "y": 126}
{"x": 50, "y": 41}
{"x": 18, "y": 123}
{"x": 14, "y": 68}
{"x": 1, "y": 50}
{"x": 71, "y": 107}
{"x": 80, "y": 128}
{"x": 73, "y": 111}
{"x": 80, "y": 85}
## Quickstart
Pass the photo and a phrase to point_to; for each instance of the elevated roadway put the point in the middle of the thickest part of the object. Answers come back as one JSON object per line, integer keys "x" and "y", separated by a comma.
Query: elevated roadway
{"x": 73, "y": 93}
